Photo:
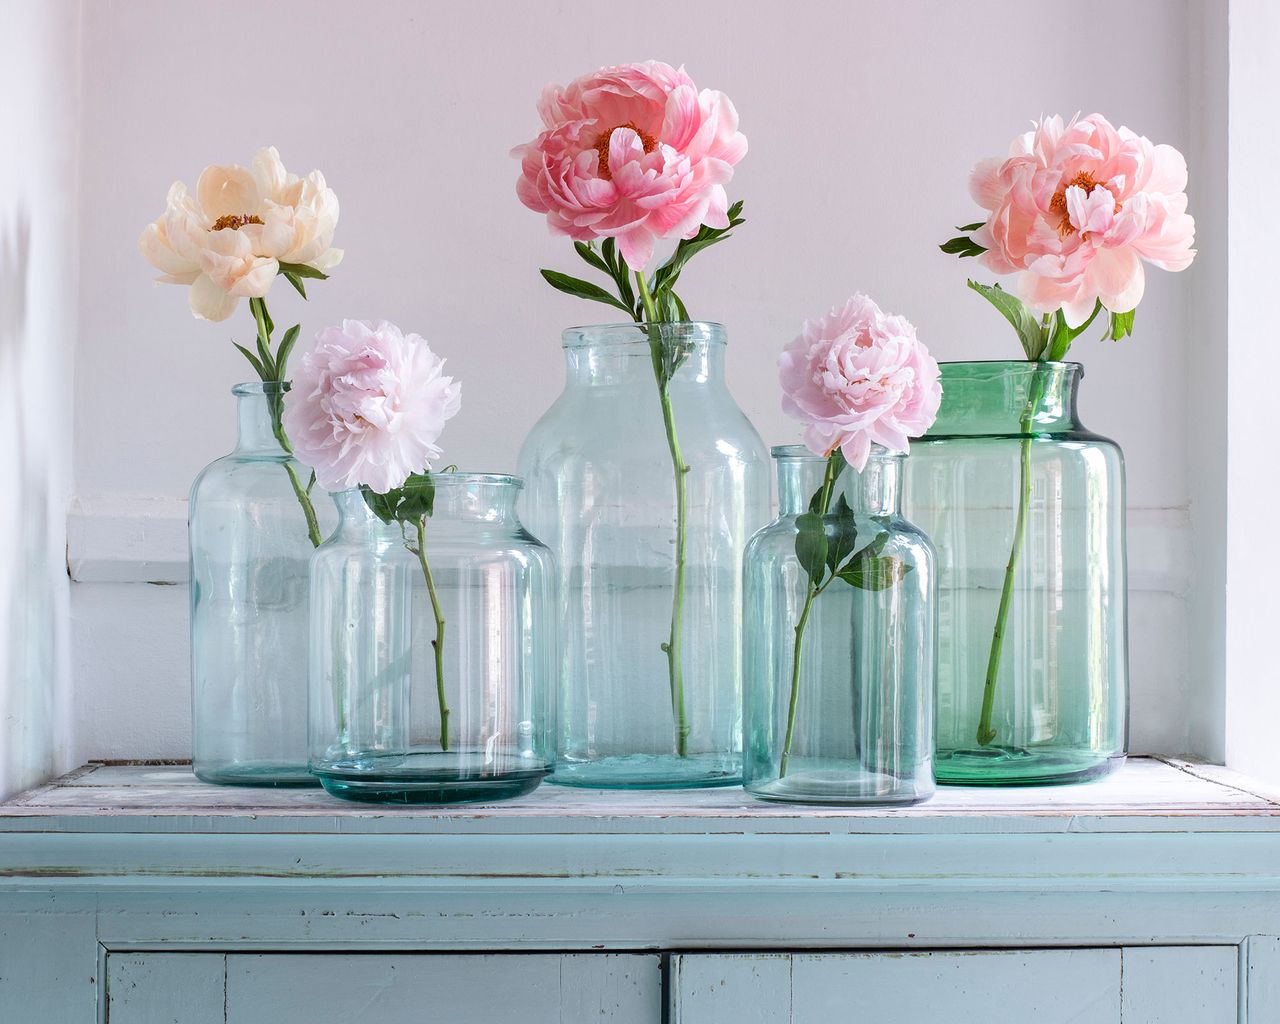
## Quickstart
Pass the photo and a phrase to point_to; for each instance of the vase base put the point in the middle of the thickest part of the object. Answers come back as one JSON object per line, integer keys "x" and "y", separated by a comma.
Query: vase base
{"x": 849, "y": 787}
{"x": 1022, "y": 766}
{"x": 256, "y": 774}
{"x": 650, "y": 771}
{"x": 439, "y": 777}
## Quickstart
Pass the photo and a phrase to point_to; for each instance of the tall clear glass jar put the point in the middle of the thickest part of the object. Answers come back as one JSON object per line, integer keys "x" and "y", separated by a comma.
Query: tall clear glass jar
{"x": 647, "y": 495}
{"x": 250, "y": 546}
{"x": 433, "y": 685}
{"x": 1026, "y": 508}
{"x": 839, "y": 666}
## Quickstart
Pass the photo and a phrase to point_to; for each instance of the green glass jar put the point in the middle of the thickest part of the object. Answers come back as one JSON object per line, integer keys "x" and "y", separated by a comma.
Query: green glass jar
{"x": 1026, "y": 509}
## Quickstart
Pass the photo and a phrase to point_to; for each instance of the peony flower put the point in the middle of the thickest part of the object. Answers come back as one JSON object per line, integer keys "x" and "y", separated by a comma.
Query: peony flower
{"x": 1075, "y": 209}
{"x": 859, "y": 376}
{"x": 635, "y": 153}
{"x": 368, "y": 406}
{"x": 228, "y": 240}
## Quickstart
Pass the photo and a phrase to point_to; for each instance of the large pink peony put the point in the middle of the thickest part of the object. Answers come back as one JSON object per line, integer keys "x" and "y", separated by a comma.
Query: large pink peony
{"x": 1076, "y": 208}
{"x": 859, "y": 376}
{"x": 635, "y": 153}
{"x": 368, "y": 406}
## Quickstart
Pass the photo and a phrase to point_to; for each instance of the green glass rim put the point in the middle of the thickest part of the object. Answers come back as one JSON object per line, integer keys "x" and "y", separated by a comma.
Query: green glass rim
{"x": 990, "y": 369}
{"x": 620, "y": 335}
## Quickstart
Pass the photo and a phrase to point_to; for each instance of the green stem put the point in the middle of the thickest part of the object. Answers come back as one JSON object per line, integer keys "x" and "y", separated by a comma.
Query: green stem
{"x": 986, "y": 732}
{"x": 437, "y": 645}
{"x": 673, "y": 648}
{"x": 824, "y": 505}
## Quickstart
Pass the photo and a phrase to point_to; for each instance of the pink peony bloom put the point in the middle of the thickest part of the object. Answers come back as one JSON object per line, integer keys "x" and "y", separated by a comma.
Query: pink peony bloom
{"x": 368, "y": 406}
{"x": 634, "y": 153}
{"x": 1076, "y": 208}
{"x": 859, "y": 376}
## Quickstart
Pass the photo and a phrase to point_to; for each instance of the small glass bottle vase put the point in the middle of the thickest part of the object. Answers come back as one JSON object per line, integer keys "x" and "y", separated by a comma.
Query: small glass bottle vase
{"x": 250, "y": 547}
{"x": 1026, "y": 509}
{"x": 646, "y": 480}
{"x": 839, "y": 665}
{"x": 432, "y": 678}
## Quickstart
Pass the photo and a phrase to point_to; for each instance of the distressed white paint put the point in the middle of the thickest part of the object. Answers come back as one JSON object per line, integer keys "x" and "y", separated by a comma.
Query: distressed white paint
{"x": 837, "y": 199}
{"x": 39, "y": 78}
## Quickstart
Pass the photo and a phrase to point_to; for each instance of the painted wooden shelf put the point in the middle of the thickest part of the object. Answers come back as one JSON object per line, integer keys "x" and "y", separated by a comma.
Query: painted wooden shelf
{"x": 1153, "y": 895}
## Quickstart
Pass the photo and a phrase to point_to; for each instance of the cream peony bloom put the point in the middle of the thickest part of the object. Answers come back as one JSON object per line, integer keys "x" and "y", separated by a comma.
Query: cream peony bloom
{"x": 228, "y": 240}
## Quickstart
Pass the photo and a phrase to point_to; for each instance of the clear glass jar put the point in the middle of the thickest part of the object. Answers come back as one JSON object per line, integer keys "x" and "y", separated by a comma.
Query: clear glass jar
{"x": 848, "y": 719}
{"x": 250, "y": 551}
{"x": 650, "y": 556}
{"x": 1026, "y": 508}
{"x": 389, "y": 722}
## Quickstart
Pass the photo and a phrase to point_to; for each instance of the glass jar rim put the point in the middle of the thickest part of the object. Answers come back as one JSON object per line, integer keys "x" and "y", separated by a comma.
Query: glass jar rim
{"x": 249, "y": 388}
{"x": 460, "y": 478}
{"x": 800, "y": 453}
{"x": 990, "y": 369}
{"x": 622, "y": 334}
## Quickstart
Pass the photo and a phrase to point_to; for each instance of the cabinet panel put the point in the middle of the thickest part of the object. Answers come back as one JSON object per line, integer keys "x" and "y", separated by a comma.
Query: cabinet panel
{"x": 1180, "y": 984}
{"x": 165, "y": 988}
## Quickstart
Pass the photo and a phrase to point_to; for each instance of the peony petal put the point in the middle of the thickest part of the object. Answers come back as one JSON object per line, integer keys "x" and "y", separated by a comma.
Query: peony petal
{"x": 209, "y": 302}
{"x": 227, "y": 191}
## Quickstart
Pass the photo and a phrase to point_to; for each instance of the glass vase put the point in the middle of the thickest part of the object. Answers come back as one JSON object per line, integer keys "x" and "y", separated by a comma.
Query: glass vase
{"x": 839, "y": 666}
{"x": 250, "y": 546}
{"x": 646, "y": 480}
{"x": 432, "y": 679}
{"x": 1026, "y": 508}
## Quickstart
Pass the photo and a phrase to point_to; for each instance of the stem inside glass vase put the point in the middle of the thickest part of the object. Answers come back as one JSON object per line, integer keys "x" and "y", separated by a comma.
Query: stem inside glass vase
{"x": 663, "y": 371}
{"x": 986, "y": 731}
{"x": 437, "y": 645}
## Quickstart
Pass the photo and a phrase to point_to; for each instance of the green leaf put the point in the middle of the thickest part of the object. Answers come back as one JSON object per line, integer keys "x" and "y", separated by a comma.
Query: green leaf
{"x": 588, "y": 253}
{"x": 302, "y": 270}
{"x": 296, "y": 281}
{"x": 1121, "y": 325}
{"x": 842, "y": 534}
{"x": 811, "y": 546}
{"x": 1063, "y": 336}
{"x": 1030, "y": 331}
{"x": 873, "y": 572}
{"x": 666, "y": 275}
{"x": 971, "y": 227}
{"x": 582, "y": 289}
{"x": 962, "y": 246}
{"x": 405, "y": 504}
{"x": 257, "y": 364}
{"x": 286, "y": 346}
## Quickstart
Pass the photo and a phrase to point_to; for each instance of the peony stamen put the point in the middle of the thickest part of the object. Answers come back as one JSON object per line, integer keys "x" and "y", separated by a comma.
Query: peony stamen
{"x": 602, "y": 146}
{"x": 235, "y": 221}
{"x": 1058, "y": 202}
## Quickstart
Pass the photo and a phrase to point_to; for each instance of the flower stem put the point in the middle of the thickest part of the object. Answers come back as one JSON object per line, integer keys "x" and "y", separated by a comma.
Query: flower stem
{"x": 673, "y": 648}
{"x": 986, "y": 732}
{"x": 437, "y": 645}
{"x": 824, "y": 505}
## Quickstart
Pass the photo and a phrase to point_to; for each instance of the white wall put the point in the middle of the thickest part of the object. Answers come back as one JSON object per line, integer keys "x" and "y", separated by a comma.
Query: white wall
{"x": 864, "y": 119}
{"x": 39, "y": 64}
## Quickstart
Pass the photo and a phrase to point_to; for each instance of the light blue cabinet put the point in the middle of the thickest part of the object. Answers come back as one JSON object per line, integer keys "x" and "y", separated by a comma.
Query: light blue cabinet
{"x": 136, "y": 895}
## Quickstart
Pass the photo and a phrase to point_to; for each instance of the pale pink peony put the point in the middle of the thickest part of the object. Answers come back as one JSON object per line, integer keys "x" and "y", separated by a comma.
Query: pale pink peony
{"x": 1076, "y": 208}
{"x": 859, "y": 376}
{"x": 368, "y": 406}
{"x": 633, "y": 152}
{"x": 228, "y": 240}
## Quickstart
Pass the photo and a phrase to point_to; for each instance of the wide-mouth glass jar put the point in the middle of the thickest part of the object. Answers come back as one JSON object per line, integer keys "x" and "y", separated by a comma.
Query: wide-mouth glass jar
{"x": 646, "y": 480}
{"x": 840, "y": 639}
{"x": 251, "y": 539}
{"x": 433, "y": 664}
{"x": 1026, "y": 508}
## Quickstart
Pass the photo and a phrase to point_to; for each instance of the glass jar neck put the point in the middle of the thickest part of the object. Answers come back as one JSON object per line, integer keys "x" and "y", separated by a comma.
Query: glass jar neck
{"x": 254, "y": 405}
{"x": 876, "y": 491}
{"x": 1015, "y": 397}
{"x": 460, "y": 498}
{"x": 620, "y": 353}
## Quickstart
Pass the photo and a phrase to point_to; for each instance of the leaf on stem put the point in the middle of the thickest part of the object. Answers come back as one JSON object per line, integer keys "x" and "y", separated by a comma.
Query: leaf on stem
{"x": 970, "y": 227}
{"x": 1030, "y": 331}
{"x": 254, "y": 360}
{"x": 1121, "y": 325}
{"x": 1062, "y": 336}
{"x": 811, "y": 546}
{"x": 296, "y": 281}
{"x": 873, "y": 572}
{"x": 408, "y": 503}
{"x": 582, "y": 289}
{"x": 286, "y": 346}
{"x": 842, "y": 533}
{"x": 962, "y": 246}
{"x": 302, "y": 270}
{"x": 665, "y": 277}
{"x": 588, "y": 253}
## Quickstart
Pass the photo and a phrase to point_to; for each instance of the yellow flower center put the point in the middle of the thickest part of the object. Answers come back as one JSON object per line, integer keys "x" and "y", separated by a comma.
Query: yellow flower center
{"x": 236, "y": 221}
{"x": 1058, "y": 202}
{"x": 602, "y": 146}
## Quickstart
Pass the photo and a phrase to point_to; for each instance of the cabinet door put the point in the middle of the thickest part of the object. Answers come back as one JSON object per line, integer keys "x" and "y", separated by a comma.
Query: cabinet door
{"x": 1159, "y": 985}
{"x": 333, "y": 988}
